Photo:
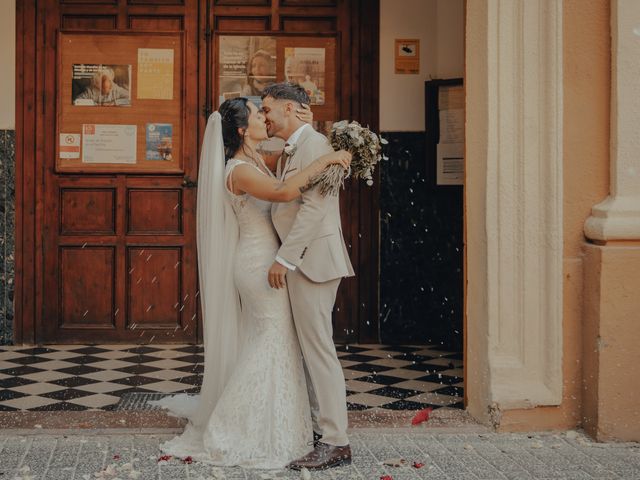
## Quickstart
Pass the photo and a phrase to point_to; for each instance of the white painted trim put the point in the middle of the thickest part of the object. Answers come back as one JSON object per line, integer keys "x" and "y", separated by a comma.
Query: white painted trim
{"x": 524, "y": 202}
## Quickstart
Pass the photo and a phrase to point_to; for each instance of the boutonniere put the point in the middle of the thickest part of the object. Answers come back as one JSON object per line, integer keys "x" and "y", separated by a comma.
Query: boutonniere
{"x": 290, "y": 150}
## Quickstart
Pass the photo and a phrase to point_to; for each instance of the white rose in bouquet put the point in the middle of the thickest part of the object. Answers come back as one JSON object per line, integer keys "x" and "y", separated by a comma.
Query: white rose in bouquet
{"x": 365, "y": 147}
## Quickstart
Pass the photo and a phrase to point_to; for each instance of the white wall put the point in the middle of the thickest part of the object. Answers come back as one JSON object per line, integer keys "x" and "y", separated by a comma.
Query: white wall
{"x": 7, "y": 64}
{"x": 439, "y": 24}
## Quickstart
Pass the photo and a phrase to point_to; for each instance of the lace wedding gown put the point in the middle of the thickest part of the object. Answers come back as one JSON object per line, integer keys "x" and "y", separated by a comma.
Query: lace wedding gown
{"x": 262, "y": 419}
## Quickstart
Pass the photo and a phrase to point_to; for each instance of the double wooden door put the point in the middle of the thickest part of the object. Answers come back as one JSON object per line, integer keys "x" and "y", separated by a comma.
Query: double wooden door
{"x": 110, "y": 256}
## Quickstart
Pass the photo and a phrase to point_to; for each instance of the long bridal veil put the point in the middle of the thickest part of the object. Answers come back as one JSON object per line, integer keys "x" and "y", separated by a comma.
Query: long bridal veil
{"x": 217, "y": 238}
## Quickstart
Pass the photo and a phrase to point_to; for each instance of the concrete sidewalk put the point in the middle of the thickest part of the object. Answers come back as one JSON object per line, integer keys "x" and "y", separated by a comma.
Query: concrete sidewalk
{"x": 41, "y": 455}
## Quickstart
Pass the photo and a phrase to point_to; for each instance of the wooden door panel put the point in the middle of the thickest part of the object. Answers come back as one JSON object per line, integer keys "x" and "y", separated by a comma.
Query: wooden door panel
{"x": 157, "y": 24}
{"x": 242, "y": 24}
{"x": 307, "y": 25}
{"x": 109, "y": 2}
{"x": 87, "y": 280}
{"x": 152, "y": 212}
{"x": 155, "y": 2}
{"x": 154, "y": 287}
{"x": 87, "y": 211}
{"x": 308, "y": 3}
{"x": 89, "y": 22}
{"x": 243, "y": 3}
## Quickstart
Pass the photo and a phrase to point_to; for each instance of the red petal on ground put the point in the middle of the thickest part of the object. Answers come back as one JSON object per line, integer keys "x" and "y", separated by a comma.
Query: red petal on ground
{"x": 187, "y": 460}
{"x": 418, "y": 465}
{"x": 386, "y": 477}
{"x": 421, "y": 416}
{"x": 116, "y": 457}
{"x": 166, "y": 458}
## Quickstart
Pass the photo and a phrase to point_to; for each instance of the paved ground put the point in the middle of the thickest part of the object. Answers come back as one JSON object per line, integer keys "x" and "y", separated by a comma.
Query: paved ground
{"x": 444, "y": 455}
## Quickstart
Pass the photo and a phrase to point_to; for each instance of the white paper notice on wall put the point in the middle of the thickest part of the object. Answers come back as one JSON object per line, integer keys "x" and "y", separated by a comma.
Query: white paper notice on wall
{"x": 450, "y": 164}
{"x": 452, "y": 125}
{"x": 69, "y": 145}
{"x": 103, "y": 143}
{"x": 155, "y": 73}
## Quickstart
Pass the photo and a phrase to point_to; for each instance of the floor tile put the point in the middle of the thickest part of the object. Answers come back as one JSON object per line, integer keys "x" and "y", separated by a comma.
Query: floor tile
{"x": 434, "y": 398}
{"x": 29, "y": 402}
{"x": 38, "y": 388}
{"x": 103, "y": 387}
{"x": 106, "y": 375}
{"x": 80, "y": 377}
{"x": 390, "y": 362}
{"x": 168, "y": 386}
{"x": 14, "y": 382}
{"x": 360, "y": 387}
{"x": 98, "y": 400}
{"x": 404, "y": 373}
{"x": 368, "y": 399}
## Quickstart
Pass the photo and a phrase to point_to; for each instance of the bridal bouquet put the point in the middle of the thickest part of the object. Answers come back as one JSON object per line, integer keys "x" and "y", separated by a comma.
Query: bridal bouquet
{"x": 366, "y": 149}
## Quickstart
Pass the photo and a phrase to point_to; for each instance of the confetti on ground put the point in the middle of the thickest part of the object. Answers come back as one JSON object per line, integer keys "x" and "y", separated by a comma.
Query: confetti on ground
{"x": 421, "y": 416}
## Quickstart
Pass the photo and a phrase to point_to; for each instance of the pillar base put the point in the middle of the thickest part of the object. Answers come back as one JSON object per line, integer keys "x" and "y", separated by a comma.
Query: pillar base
{"x": 617, "y": 218}
{"x": 611, "y": 357}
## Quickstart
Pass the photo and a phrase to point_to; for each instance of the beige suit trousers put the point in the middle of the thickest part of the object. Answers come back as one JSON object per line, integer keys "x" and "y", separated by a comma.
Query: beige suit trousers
{"x": 312, "y": 304}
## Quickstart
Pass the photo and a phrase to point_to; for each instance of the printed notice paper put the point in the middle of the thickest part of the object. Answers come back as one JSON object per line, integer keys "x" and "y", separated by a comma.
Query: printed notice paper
{"x": 452, "y": 126}
{"x": 450, "y": 164}
{"x": 155, "y": 73}
{"x": 108, "y": 143}
{"x": 69, "y": 145}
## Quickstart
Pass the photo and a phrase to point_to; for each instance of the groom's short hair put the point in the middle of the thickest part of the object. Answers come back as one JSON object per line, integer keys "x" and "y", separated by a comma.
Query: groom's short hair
{"x": 287, "y": 91}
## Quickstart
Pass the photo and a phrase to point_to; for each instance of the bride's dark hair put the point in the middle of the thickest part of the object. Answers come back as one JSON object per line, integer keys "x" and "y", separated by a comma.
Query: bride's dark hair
{"x": 235, "y": 114}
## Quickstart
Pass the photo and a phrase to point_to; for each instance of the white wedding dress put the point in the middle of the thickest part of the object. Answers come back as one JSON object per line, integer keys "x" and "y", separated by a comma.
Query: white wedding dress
{"x": 262, "y": 418}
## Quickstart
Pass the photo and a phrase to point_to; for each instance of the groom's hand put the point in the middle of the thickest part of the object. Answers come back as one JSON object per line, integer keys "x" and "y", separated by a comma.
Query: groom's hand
{"x": 277, "y": 275}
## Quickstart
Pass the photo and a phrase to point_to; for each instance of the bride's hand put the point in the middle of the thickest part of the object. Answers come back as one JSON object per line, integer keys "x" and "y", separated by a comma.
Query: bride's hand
{"x": 304, "y": 113}
{"x": 341, "y": 157}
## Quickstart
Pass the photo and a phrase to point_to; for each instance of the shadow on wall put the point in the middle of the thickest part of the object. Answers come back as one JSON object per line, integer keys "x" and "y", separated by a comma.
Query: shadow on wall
{"x": 421, "y": 277}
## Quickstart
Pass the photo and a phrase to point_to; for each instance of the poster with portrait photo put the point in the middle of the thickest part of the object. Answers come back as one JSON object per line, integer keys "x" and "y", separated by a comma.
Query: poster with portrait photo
{"x": 99, "y": 85}
{"x": 247, "y": 65}
{"x": 306, "y": 67}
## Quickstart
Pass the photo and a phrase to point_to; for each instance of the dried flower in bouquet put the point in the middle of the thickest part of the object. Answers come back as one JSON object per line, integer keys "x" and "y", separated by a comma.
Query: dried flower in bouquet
{"x": 365, "y": 147}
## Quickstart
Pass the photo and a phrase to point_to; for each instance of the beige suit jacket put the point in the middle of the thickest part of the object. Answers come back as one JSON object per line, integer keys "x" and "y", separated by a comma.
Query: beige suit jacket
{"x": 309, "y": 226}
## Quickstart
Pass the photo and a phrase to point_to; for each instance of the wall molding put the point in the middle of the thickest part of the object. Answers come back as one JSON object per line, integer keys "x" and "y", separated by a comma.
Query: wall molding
{"x": 524, "y": 202}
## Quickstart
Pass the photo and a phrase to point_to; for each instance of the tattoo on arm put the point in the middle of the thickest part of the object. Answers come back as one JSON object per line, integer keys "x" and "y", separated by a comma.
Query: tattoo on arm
{"x": 307, "y": 187}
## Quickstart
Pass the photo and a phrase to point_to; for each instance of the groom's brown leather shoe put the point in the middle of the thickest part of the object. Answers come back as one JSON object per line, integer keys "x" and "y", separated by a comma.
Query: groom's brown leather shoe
{"x": 323, "y": 456}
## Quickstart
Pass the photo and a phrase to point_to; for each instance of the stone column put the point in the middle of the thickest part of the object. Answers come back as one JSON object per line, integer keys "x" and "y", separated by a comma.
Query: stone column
{"x": 514, "y": 204}
{"x": 611, "y": 334}
{"x": 618, "y": 216}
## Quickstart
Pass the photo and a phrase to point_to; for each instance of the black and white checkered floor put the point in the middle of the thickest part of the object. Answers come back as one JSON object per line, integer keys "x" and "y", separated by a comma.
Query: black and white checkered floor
{"x": 88, "y": 377}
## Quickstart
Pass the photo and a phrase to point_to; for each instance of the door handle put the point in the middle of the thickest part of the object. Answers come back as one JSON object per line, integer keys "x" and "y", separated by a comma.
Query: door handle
{"x": 188, "y": 183}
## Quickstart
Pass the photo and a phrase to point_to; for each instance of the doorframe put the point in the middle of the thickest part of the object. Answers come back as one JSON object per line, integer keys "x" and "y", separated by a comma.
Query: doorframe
{"x": 29, "y": 106}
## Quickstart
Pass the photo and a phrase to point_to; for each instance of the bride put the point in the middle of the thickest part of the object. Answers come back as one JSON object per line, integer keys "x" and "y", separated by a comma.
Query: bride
{"x": 253, "y": 408}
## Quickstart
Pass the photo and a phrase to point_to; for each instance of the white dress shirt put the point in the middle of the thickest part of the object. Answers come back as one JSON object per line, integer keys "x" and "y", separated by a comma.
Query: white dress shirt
{"x": 292, "y": 140}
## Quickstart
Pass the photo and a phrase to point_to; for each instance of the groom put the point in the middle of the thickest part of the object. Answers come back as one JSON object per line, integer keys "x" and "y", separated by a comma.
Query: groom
{"x": 313, "y": 258}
